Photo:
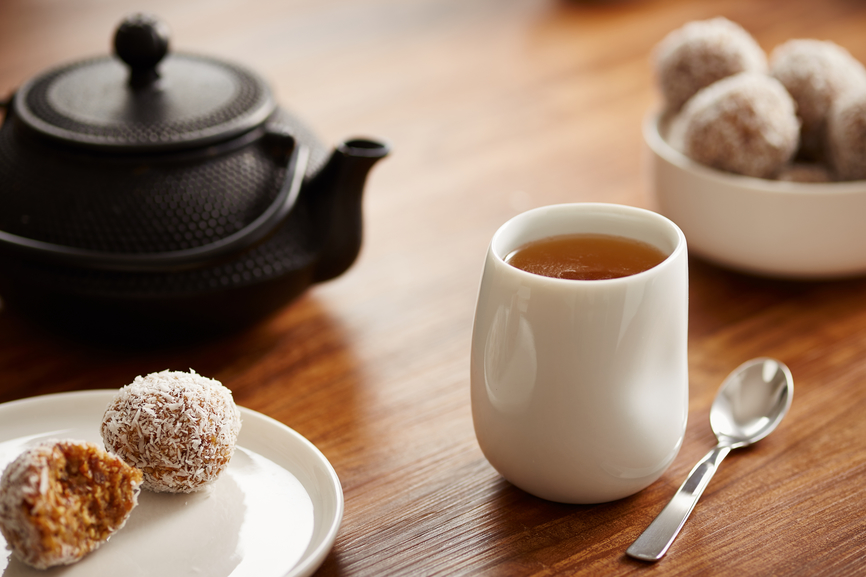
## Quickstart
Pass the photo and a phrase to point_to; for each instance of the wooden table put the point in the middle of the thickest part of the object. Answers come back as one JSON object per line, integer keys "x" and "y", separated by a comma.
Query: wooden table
{"x": 492, "y": 108}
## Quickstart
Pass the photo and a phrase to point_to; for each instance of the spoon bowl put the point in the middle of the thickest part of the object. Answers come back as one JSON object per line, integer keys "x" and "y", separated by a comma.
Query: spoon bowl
{"x": 750, "y": 404}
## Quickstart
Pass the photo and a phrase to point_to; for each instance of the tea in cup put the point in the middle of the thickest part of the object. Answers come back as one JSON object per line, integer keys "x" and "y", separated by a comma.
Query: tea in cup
{"x": 585, "y": 256}
{"x": 580, "y": 387}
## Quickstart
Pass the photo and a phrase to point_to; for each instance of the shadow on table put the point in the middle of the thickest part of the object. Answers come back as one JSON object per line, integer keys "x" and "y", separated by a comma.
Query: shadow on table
{"x": 35, "y": 359}
{"x": 538, "y": 533}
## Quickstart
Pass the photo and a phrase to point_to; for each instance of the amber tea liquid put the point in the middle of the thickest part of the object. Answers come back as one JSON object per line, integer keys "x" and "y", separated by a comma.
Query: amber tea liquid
{"x": 585, "y": 256}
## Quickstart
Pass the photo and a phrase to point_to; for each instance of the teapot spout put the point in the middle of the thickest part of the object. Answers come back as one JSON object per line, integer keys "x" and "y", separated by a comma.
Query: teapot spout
{"x": 338, "y": 190}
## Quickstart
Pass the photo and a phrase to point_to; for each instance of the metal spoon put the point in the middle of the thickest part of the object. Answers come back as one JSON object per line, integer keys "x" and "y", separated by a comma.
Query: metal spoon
{"x": 749, "y": 405}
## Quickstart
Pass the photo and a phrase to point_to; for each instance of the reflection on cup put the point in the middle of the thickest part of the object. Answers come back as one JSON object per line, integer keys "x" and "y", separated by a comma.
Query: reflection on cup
{"x": 580, "y": 387}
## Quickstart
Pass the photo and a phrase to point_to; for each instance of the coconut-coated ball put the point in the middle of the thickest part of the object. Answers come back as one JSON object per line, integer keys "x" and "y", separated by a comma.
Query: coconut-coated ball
{"x": 62, "y": 499}
{"x": 700, "y": 53}
{"x": 816, "y": 73}
{"x": 846, "y": 134}
{"x": 179, "y": 428}
{"x": 745, "y": 124}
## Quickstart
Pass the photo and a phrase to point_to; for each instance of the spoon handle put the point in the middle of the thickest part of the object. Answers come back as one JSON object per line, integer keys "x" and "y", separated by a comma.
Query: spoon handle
{"x": 655, "y": 540}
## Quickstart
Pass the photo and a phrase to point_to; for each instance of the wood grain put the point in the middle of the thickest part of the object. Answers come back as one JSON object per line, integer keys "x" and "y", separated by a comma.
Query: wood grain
{"x": 492, "y": 107}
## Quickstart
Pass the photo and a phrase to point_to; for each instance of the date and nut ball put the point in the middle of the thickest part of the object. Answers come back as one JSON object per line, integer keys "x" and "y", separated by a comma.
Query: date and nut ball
{"x": 701, "y": 53}
{"x": 846, "y": 132}
{"x": 62, "y": 499}
{"x": 179, "y": 428}
{"x": 816, "y": 73}
{"x": 744, "y": 123}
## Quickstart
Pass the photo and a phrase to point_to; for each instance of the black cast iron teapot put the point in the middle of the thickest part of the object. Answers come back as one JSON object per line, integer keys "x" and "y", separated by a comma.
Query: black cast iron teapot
{"x": 165, "y": 194}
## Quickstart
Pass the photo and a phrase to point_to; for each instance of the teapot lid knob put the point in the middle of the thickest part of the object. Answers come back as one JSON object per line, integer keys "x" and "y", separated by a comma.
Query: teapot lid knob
{"x": 141, "y": 41}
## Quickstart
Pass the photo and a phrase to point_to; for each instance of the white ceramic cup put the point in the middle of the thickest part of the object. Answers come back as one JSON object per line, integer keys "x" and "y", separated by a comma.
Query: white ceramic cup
{"x": 580, "y": 387}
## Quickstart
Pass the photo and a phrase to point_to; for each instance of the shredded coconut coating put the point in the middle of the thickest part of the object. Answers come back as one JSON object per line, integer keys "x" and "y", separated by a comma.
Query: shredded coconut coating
{"x": 700, "y": 53}
{"x": 62, "y": 499}
{"x": 744, "y": 124}
{"x": 179, "y": 428}
{"x": 846, "y": 132}
{"x": 816, "y": 73}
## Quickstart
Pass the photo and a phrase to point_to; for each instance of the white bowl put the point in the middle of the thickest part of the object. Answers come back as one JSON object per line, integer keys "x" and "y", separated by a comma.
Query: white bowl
{"x": 765, "y": 227}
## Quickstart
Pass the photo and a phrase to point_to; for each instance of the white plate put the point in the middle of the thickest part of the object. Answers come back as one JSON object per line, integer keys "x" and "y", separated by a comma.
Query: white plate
{"x": 274, "y": 512}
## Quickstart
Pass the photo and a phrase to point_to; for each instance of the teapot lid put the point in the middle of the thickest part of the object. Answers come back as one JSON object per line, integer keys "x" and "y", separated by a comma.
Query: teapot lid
{"x": 147, "y": 100}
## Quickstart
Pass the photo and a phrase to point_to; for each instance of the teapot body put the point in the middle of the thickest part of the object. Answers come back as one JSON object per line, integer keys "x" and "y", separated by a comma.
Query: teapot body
{"x": 152, "y": 195}
{"x": 150, "y": 203}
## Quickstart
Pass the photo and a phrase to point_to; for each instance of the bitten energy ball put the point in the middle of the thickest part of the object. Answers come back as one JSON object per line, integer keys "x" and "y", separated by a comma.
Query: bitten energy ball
{"x": 744, "y": 124}
{"x": 700, "y": 53}
{"x": 816, "y": 73}
{"x": 62, "y": 499}
{"x": 179, "y": 428}
{"x": 846, "y": 134}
